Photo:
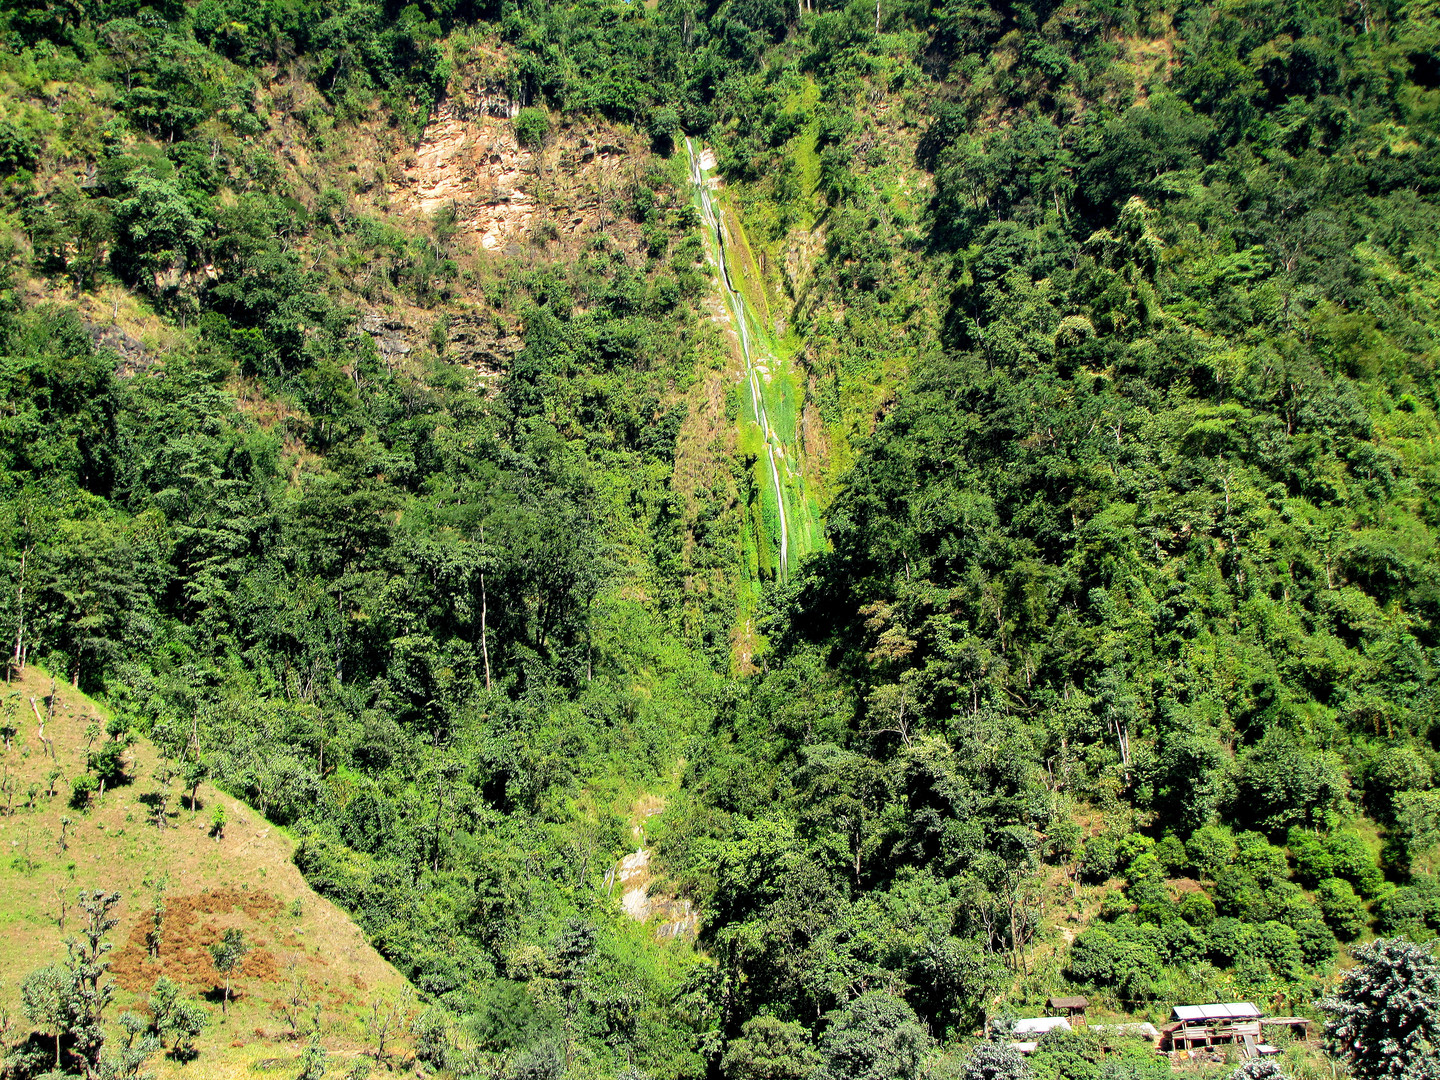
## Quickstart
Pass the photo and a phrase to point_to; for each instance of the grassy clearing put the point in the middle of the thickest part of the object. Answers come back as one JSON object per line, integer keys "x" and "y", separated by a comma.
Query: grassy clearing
{"x": 303, "y": 947}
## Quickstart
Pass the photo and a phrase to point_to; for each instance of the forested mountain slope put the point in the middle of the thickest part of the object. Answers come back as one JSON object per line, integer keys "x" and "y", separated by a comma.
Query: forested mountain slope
{"x": 375, "y": 440}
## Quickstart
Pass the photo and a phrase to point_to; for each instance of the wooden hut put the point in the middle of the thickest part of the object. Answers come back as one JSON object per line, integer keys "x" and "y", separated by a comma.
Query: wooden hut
{"x": 1194, "y": 1026}
{"x": 1071, "y": 1007}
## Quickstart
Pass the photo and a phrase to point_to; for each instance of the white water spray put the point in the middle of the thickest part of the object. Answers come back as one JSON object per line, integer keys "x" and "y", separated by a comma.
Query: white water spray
{"x": 736, "y": 303}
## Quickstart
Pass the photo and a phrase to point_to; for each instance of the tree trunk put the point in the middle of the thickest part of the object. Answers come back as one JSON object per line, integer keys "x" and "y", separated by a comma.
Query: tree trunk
{"x": 17, "y": 664}
{"x": 484, "y": 640}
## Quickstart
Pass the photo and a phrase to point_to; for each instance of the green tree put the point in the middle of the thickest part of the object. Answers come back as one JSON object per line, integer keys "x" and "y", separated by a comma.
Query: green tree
{"x": 184, "y": 1025}
{"x": 87, "y": 961}
{"x": 769, "y": 1049}
{"x": 47, "y": 997}
{"x": 876, "y": 1037}
{"x": 227, "y": 955}
{"x": 313, "y": 1060}
{"x": 1383, "y": 1020}
{"x": 992, "y": 1061}
{"x": 173, "y": 1015}
{"x": 156, "y": 230}
{"x": 137, "y": 1042}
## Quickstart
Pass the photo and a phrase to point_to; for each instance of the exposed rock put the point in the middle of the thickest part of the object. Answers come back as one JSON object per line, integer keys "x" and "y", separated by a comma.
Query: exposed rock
{"x": 391, "y": 335}
{"x": 481, "y": 342}
{"x": 635, "y": 866}
{"x": 503, "y": 194}
{"x": 674, "y": 917}
{"x": 484, "y": 343}
{"x": 473, "y": 164}
{"x": 134, "y": 358}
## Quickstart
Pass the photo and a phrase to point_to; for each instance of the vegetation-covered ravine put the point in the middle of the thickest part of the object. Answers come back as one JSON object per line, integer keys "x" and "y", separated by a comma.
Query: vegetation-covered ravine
{"x": 786, "y": 513}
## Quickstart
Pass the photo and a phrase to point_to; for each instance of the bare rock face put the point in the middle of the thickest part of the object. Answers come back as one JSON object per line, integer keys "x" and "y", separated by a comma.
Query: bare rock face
{"x": 484, "y": 343}
{"x": 481, "y": 342}
{"x": 131, "y": 355}
{"x": 474, "y": 165}
{"x": 505, "y": 196}
{"x": 672, "y": 917}
{"x": 391, "y": 334}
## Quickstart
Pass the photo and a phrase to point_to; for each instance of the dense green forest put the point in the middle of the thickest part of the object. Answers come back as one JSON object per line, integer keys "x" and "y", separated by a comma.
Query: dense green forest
{"x": 1116, "y": 673}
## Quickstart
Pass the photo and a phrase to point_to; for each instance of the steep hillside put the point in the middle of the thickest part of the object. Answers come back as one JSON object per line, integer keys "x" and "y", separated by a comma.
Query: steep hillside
{"x": 750, "y": 540}
{"x": 185, "y": 874}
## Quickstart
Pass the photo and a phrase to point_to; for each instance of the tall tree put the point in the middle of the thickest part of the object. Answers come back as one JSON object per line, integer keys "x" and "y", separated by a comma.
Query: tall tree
{"x": 1384, "y": 1018}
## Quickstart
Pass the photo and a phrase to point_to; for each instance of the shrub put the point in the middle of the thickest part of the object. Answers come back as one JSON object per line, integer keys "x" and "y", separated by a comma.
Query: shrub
{"x": 532, "y": 125}
{"x": 1352, "y": 859}
{"x": 1393, "y": 771}
{"x": 1318, "y": 944}
{"x": 1343, "y": 910}
{"x": 1284, "y": 782}
{"x": 1152, "y": 902}
{"x": 664, "y": 123}
{"x": 1260, "y": 859}
{"x": 1238, "y": 894}
{"x": 1417, "y": 823}
{"x": 1183, "y": 944}
{"x": 1131, "y": 849}
{"x": 1229, "y": 939}
{"x": 995, "y": 1061}
{"x": 1099, "y": 857}
{"x": 1196, "y": 908}
{"x": 1312, "y": 862}
{"x": 1115, "y": 904}
{"x": 17, "y": 150}
{"x": 83, "y": 790}
{"x": 1412, "y": 910}
{"x": 1259, "y": 1069}
{"x": 1211, "y": 849}
{"x": 1123, "y": 955}
{"x": 1279, "y": 946}
{"x": 1145, "y": 867}
{"x": 1172, "y": 855}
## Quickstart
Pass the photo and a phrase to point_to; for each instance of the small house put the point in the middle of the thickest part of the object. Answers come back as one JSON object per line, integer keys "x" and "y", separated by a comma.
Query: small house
{"x": 1040, "y": 1025}
{"x": 1072, "y": 1007}
{"x": 1195, "y": 1026}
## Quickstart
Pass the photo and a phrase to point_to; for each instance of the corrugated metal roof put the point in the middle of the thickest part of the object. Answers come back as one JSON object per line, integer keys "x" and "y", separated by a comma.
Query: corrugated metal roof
{"x": 1229, "y": 1010}
{"x": 1041, "y": 1023}
{"x": 1146, "y": 1029}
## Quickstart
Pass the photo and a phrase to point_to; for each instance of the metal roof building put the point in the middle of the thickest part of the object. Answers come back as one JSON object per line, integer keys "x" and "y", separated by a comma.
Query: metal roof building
{"x": 1219, "y": 1022}
{"x": 1040, "y": 1024}
{"x": 1230, "y": 1010}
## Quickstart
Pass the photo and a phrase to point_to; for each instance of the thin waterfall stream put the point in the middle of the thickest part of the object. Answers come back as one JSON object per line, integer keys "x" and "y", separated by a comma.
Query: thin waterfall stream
{"x": 774, "y": 450}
